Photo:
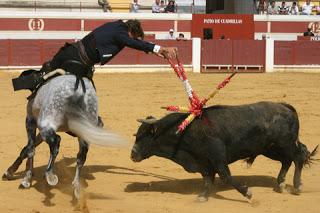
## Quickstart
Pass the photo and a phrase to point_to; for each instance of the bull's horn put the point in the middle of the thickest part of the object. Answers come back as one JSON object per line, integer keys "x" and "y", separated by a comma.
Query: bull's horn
{"x": 148, "y": 121}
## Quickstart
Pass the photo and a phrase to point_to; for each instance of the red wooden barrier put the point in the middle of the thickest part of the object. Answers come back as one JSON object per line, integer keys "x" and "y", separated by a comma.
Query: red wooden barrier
{"x": 36, "y": 52}
{"x": 233, "y": 54}
{"x": 296, "y": 52}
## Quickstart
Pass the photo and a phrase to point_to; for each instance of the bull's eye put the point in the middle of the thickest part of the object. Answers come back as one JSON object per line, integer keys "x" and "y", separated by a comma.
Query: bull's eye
{"x": 153, "y": 130}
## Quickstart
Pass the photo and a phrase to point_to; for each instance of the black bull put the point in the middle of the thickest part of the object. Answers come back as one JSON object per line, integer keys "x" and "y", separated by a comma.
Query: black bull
{"x": 225, "y": 134}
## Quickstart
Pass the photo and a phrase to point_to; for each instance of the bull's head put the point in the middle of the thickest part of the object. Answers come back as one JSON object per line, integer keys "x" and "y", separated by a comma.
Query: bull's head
{"x": 142, "y": 148}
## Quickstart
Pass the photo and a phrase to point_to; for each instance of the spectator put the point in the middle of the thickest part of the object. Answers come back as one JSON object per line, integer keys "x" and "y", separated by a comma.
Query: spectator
{"x": 162, "y": 6}
{"x": 272, "y": 9}
{"x": 307, "y": 8}
{"x": 105, "y": 5}
{"x": 294, "y": 9}
{"x": 261, "y": 7}
{"x": 171, "y": 7}
{"x": 318, "y": 10}
{"x": 170, "y": 36}
{"x": 134, "y": 7}
{"x": 181, "y": 37}
{"x": 308, "y": 33}
{"x": 156, "y": 8}
{"x": 283, "y": 9}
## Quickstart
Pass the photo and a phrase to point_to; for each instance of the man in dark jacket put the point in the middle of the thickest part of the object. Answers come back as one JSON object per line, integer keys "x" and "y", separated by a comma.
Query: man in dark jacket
{"x": 99, "y": 46}
{"x": 105, "y": 42}
{"x": 308, "y": 32}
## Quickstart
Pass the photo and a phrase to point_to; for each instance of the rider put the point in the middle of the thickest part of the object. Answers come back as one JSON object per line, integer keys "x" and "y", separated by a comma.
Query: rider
{"x": 100, "y": 46}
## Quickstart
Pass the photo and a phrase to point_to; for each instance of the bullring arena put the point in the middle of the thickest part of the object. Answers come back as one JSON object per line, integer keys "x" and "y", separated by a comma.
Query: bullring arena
{"x": 113, "y": 183}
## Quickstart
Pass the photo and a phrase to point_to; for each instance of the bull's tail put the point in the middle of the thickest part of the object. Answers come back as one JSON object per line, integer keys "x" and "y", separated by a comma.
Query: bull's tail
{"x": 307, "y": 157}
{"x": 310, "y": 158}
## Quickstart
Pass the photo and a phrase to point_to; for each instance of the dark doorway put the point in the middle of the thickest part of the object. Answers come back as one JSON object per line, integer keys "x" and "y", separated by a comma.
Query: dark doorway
{"x": 214, "y": 5}
{"x": 207, "y": 33}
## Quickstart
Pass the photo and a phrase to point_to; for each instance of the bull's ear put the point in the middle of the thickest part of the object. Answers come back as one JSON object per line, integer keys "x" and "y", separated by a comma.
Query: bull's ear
{"x": 148, "y": 121}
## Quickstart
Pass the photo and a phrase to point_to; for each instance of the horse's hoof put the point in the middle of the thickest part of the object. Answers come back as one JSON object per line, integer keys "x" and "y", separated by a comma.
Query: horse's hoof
{"x": 7, "y": 176}
{"x": 202, "y": 198}
{"x": 77, "y": 193}
{"x": 248, "y": 194}
{"x": 52, "y": 179}
{"x": 280, "y": 188}
{"x": 25, "y": 184}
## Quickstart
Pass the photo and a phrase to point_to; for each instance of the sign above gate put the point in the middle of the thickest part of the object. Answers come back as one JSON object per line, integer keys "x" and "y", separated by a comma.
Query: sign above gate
{"x": 228, "y": 26}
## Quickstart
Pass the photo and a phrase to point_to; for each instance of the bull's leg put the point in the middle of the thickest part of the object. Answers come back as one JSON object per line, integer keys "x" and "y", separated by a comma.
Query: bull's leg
{"x": 81, "y": 158}
{"x": 297, "y": 185}
{"x": 27, "y": 151}
{"x": 275, "y": 154}
{"x": 224, "y": 173}
{"x": 208, "y": 179}
{"x": 53, "y": 141}
{"x": 282, "y": 176}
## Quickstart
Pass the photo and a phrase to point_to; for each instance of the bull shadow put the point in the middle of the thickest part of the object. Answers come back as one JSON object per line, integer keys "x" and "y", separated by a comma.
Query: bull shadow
{"x": 194, "y": 186}
{"x": 65, "y": 169}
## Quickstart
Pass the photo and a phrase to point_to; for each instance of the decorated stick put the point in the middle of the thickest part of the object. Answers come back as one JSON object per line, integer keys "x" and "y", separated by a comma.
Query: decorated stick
{"x": 179, "y": 70}
{"x": 220, "y": 86}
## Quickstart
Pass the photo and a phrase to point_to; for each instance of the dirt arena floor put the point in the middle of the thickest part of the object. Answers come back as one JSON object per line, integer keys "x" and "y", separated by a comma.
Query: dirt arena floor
{"x": 113, "y": 183}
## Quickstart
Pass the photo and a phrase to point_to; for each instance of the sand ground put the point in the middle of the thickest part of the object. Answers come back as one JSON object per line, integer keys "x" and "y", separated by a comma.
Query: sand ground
{"x": 113, "y": 183}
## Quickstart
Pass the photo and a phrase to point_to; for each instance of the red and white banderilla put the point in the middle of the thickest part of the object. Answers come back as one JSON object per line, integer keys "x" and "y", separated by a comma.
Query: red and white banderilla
{"x": 195, "y": 104}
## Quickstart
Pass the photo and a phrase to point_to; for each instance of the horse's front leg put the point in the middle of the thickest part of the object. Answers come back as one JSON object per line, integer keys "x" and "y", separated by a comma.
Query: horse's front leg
{"x": 81, "y": 159}
{"x": 53, "y": 141}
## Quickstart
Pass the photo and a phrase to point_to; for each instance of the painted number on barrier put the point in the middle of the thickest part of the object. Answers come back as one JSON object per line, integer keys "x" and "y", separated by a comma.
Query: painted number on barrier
{"x": 36, "y": 24}
{"x": 315, "y": 27}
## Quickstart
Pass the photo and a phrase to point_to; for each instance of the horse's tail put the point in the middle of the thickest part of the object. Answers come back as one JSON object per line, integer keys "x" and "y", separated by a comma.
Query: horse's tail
{"x": 85, "y": 129}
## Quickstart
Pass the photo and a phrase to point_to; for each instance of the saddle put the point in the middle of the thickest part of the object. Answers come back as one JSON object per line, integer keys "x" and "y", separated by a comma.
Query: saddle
{"x": 34, "y": 79}
{"x": 28, "y": 79}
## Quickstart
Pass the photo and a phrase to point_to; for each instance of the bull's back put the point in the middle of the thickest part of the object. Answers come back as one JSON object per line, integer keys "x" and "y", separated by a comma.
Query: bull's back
{"x": 249, "y": 129}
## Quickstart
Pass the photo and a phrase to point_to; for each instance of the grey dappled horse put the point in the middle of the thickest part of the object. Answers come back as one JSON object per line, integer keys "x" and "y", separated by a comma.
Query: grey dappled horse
{"x": 59, "y": 107}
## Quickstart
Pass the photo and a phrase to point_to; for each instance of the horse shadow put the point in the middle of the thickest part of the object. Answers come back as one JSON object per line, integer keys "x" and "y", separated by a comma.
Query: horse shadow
{"x": 65, "y": 169}
{"x": 194, "y": 186}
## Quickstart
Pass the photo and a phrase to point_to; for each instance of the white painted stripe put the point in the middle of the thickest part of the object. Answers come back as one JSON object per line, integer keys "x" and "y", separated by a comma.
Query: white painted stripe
{"x": 287, "y": 18}
{"x": 95, "y": 15}
{"x": 42, "y": 35}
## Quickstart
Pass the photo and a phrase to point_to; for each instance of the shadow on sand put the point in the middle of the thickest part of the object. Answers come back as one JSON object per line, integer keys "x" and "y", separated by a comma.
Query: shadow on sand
{"x": 65, "y": 169}
{"x": 194, "y": 186}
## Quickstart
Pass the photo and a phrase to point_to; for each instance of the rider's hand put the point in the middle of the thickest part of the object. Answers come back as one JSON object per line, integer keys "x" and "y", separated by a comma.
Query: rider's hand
{"x": 168, "y": 52}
